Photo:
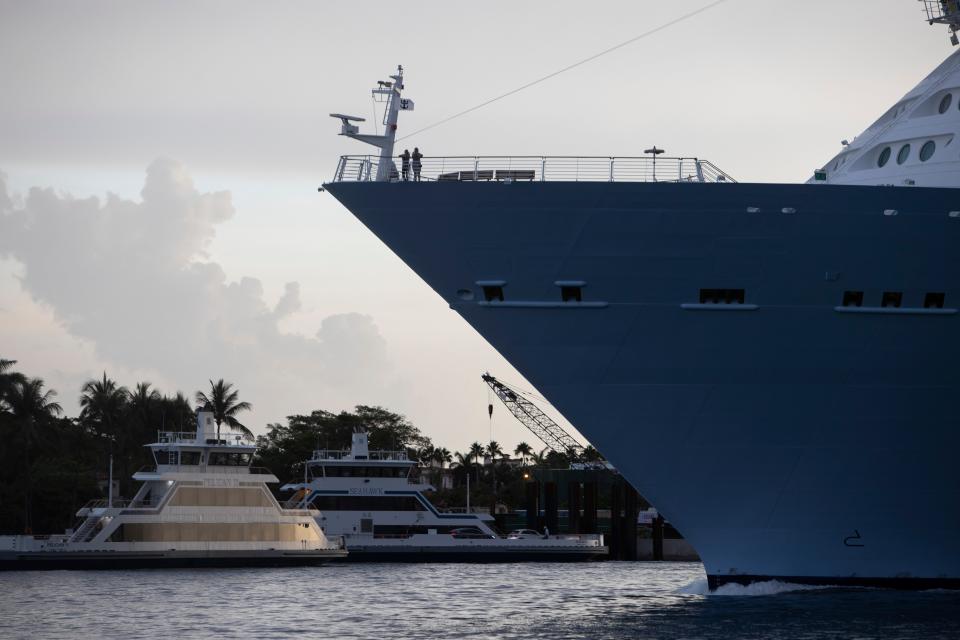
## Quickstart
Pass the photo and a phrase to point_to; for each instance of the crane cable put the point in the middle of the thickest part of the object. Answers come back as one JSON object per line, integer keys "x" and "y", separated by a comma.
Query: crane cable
{"x": 645, "y": 34}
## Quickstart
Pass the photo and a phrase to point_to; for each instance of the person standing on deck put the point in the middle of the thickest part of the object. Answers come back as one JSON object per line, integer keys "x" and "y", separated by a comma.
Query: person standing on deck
{"x": 416, "y": 164}
{"x": 405, "y": 164}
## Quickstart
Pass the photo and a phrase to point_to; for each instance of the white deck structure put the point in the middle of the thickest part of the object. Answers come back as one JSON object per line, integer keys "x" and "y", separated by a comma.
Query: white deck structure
{"x": 372, "y": 499}
{"x": 202, "y": 504}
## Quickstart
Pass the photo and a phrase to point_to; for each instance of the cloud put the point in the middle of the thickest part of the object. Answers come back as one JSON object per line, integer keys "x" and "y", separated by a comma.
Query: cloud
{"x": 136, "y": 281}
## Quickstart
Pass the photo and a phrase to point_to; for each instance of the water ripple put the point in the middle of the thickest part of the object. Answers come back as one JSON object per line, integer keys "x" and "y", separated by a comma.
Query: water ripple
{"x": 612, "y": 600}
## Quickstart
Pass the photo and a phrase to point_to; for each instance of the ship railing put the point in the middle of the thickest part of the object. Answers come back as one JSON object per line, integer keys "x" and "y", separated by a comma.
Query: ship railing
{"x": 103, "y": 503}
{"x": 190, "y": 437}
{"x": 942, "y": 12}
{"x": 341, "y": 454}
{"x": 464, "y": 510}
{"x": 540, "y": 169}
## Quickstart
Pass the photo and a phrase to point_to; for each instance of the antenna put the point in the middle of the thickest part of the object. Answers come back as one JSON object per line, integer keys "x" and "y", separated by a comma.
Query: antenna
{"x": 944, "y": 12}
{"x": 654, "y": 152}
{"x": 386, "y": 91}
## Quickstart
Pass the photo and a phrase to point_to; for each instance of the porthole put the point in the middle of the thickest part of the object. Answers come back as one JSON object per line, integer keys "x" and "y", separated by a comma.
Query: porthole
{"x": 926, "y": 151}
{"x": 904, "y": 154}
{"x": 884, "y": 157}
{"x": 945, "y": 103}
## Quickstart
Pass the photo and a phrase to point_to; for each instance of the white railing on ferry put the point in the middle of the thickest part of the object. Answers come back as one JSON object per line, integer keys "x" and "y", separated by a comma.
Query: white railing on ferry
{"x": 538, "y": 169}
{"x": 341, "y": 454}
{"x": 226, "y": 437}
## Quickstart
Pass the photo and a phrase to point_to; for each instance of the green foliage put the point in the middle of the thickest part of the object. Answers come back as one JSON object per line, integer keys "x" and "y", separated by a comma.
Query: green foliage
{"x": 224, "y": 401}
{"x": 50, "y": 466}
{"x": 285, "y": 447}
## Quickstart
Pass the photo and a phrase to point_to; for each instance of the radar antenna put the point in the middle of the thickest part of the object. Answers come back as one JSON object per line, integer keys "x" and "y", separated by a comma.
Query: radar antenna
{"x": 944, "y": 12}
{"x": 388, "y": 92}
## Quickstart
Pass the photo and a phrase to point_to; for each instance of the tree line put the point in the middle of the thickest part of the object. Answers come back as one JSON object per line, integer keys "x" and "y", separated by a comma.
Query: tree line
{"x": 52, "y": 464}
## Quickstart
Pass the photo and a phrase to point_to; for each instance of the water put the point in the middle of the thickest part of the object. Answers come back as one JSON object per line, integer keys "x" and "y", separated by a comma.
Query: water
{"x": 602, "y": 600}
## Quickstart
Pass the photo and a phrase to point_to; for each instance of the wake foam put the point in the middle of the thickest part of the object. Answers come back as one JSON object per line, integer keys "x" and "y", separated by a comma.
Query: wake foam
{"x": 699, "y": 587}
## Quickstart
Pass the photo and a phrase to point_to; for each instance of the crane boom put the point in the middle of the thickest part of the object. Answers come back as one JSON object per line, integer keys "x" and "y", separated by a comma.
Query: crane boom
{"x": 542, "y": 426}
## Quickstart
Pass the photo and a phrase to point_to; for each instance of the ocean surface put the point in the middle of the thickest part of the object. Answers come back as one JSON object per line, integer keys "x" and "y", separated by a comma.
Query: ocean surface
{"x": 599, "y": 600}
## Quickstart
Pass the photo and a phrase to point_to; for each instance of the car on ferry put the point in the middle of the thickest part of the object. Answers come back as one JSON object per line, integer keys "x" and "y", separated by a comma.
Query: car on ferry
{"x": 524, "y": 534}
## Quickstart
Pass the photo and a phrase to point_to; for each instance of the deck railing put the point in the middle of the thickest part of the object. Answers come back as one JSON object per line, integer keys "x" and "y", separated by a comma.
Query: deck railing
{"x": 538, "y": 169}
{"x": 320, "y": 455}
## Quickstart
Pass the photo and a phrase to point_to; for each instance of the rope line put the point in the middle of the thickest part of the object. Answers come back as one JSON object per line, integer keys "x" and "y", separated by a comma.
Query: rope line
{"x": 645, "y": 34}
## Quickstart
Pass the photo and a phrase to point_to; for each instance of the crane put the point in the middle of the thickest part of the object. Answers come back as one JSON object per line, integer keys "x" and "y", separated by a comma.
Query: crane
{"x": 542, "y": 426}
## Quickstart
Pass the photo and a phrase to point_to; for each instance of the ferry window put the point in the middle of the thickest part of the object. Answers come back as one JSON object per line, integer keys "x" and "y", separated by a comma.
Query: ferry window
{"x": 165, "y": 456}
{"x": 891, "y": 299}
{"x": 367, "y": 503}
{"x": 884, "y": 157}
{"x": 934, "y": 300}
{"x": 492, "y": 292}
{"x": 571, "y": 294}
{"x": 945, "y": 103}
{"x": 903, "y": 154}
{"x": 853, "y": 298}
{"x": 189, "y": 457}
{"x": 926, "y": 151}
{"x": 224, "y": 459}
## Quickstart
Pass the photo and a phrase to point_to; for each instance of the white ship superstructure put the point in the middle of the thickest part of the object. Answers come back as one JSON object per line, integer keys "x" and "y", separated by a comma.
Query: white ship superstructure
{"x": 202, "y": 504}
{"x": 375, "y": 500}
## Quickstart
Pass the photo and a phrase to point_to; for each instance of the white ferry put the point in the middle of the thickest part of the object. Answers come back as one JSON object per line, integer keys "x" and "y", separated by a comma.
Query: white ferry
{"x": 201, "y": 505}
{"x": 375, "y": 501}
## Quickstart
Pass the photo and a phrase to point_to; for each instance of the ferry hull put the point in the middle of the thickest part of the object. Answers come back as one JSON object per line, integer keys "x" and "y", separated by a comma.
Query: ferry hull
{"x": 788, "y": 437}
{"x": 114, "y": 560}
{"x": 476, "y": 555}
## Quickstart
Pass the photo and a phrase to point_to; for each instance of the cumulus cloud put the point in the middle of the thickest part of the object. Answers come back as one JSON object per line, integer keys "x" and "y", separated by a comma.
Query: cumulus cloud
{"x": 136, "y": 280}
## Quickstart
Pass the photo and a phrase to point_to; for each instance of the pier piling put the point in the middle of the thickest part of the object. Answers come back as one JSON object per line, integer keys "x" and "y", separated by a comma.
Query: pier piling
{"x": 589, "y": 522}
{"x": 658, "y": 537}
{"x": 551, "y": 507}
{"x": 573, "y": 507}
{"x": 533, "y": 505}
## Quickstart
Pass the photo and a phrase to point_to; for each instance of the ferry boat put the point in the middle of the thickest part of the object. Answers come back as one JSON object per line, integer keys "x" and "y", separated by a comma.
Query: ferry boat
{"x": 377, "y": 503}
{"x": 784, "y": 354}
{"x": 202, "y": 505}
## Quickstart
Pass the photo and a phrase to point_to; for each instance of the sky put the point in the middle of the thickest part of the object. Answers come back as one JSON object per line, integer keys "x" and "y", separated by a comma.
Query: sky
{"x": 159, "y": 213}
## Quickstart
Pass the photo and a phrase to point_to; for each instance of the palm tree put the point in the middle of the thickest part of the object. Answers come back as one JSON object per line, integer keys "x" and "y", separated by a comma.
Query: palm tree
{"x": 8, "y": 380}
{"x": 143, "y": 401}
{"x": 462, "y": 461}
{"x": 223, "y": 402}
{"x": 476, "y": 452}
{"x": 541, "y": 458}
{"x": 425, "y": 454}
{"x": 442, "y": 456}
{"x": 102, "y": 403}
{"x": 524, "y": 451}
{"x": 494, "y": 449}
{"x": 30, "y": 406}
{"x": 590, "y": 454}
{"x": 176, "y": 412}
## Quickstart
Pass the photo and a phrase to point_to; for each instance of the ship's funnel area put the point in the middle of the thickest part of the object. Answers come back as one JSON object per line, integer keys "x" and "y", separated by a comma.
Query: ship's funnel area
{"x": 206, "y": 425}
{"x": 360, "y": 448}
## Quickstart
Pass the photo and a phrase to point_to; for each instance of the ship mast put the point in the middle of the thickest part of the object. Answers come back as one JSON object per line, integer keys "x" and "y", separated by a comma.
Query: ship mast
{"x": 386, "y": 91}
{"x": 944, "y": 12}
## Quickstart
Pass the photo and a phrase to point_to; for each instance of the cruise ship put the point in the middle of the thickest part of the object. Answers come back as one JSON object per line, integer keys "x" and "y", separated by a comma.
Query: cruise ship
{"x": 201, "y": 505}
{"x": 377, "y": 502}
{"x": 783, "y": 354}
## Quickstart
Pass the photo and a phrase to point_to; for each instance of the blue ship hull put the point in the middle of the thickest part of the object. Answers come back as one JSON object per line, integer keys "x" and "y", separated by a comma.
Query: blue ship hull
{"x": 786, "y": 437}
